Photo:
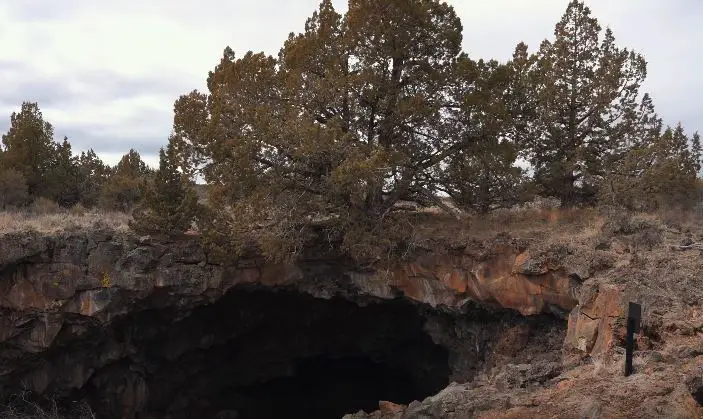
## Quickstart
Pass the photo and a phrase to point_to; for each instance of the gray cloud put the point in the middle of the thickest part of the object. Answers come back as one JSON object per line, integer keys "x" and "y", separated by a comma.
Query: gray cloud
{"x": 45, "y": 92}
{"x": 66, "y": 89}
{"x": 106, "y": 73}
{"x": 84, "y": 139}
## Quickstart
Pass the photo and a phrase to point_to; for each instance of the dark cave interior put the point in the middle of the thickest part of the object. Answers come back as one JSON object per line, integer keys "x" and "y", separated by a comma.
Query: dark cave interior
{"x": 269, "y": 354}
{"x": 260, "y": 352}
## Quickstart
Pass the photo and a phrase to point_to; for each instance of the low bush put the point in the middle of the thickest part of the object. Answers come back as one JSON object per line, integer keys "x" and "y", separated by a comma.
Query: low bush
{"x": 44, "y": 206}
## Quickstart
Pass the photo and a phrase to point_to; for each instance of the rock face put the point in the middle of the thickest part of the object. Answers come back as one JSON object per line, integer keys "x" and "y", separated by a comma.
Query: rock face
{"x": 134, "y": 324}
{"x": 598, "y": 321}
{"x": 146, "y": 328}
{"x": 501, "y": 276}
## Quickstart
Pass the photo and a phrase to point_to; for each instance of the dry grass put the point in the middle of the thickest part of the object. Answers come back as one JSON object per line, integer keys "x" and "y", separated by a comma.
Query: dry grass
{"x": 547, "y": 224}
{"x": 534, "y": 219}
{"x": 575, "y": 227}
{"x": 607, "y": 364}
{"x": 63, "y": 220}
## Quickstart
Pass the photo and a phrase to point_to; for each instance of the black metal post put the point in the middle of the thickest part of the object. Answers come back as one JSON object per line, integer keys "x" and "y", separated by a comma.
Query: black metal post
{"x": 634, "y": 314}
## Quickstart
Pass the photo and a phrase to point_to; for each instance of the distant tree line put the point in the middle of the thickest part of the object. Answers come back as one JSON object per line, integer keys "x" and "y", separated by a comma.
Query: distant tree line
{"x": 35, "y": 167}
{"x": 380, "y": 105}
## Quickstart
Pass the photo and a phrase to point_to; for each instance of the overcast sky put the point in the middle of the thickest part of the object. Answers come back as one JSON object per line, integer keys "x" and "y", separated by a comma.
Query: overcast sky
{"x": 106, "y": 73}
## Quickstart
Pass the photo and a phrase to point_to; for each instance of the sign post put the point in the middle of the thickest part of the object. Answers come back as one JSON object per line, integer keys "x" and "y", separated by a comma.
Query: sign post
{"x": 634, "y": 316}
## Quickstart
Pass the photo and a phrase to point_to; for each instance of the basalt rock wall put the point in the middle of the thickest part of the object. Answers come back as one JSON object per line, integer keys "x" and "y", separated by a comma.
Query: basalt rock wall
{"x": 96, "y": 315}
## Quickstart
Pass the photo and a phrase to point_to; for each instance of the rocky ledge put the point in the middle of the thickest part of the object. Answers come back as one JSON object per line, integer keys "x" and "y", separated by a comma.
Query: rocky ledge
{"x": 143, "y": 328}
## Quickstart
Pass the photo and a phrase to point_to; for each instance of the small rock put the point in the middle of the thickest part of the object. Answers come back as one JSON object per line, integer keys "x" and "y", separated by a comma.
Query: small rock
{"x": 688, "y": 241}
{"x": 525, "y": 264}
{"x": 525, "y": 375}
{"x": 390, "y": 407}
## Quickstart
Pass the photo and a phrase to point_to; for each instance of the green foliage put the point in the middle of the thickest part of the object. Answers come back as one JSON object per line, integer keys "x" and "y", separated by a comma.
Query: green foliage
{"x": 92, "y": 175}
{"x": 170, "y": 204}
{"x": 50, "y": 168}
{"x": 126, "y": 184}
{"x": 660, "y": 173}
{"x": 366, "y": 110}
{"x": 380, "y": 105}
{"x": 585, "y": 96}
{"x": 62, "y": 183}
{"x": 482, "y": 174}
{"x": 696, "y": 152}
{"x": 355, "y": 114}
{"x": 13, "y": 189}
{"x": 29, "y": 148}
{"x": 484, "y": 177}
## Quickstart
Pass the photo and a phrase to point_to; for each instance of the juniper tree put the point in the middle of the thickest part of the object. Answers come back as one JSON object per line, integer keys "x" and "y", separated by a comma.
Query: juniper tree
{"x": 92, "y": 175}
{"x": 352, "y": 116}
{"x": 697, "y": 151}
{"x": 482, "y": 175}
{"x": 126, "y": 184}
{"x": 170, "y": 203}
{"x": 658, "y": 173}
{"x": 62, "y": 180}
{"x": 671, "y": 175}
{"x": 586, "y": 91}
{"x": 29, "y": 147}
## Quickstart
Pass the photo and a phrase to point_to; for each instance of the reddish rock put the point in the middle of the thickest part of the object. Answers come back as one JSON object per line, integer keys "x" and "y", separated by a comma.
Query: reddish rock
{"x": 595, "y": 323}
{"x": 389, "y": 408}
{"x": 23, "y": 294}
{"x": 526, "y": 265}
{"x": 492, "y": 281}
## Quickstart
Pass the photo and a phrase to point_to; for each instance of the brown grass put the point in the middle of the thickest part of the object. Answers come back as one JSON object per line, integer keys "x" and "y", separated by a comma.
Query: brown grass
{"x": 534, "y": 219}
{"x": 63, "y": 220}
{"x": 545, "y": 224}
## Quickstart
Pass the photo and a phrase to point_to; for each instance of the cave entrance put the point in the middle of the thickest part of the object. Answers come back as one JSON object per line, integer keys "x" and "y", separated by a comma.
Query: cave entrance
{"x": 262, "y": 354}
{"x": 329, "y": 388}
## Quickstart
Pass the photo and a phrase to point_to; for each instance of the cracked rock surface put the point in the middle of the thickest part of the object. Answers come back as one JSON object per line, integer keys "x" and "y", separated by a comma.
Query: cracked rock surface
{"x": 148, "y": 328}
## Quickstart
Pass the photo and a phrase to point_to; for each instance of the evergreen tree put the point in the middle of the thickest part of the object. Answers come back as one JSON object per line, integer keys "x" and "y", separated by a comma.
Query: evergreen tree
{"x": 660, "y": 173}
{"x": 13, "y": 189}
{"x": 586, "y": 99}
{"x": 697, "y": 151}
{"x": 350, "y": 118}
{"x": 672, "y": 174}
{"x": 92, "y": 175}
{"x": 29, "y": 147}
{"x": 126, "y": 184}
{"x": 170, "y": 204}
{"x": 621, "y": 184}
{"x": 482, "y": 175}
{"x": 62, "y": 178}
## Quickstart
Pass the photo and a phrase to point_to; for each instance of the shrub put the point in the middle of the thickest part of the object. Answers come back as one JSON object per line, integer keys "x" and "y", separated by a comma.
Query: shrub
{"x": 170, "y": 204}
{"x": 126, "y": 184}
{"x": 44, "y": 206}
{"x": 78, "y": 210}
{"x": 639, "y": 231}
{"x": 121, "y": 193}
{"x": 13, "y": 189}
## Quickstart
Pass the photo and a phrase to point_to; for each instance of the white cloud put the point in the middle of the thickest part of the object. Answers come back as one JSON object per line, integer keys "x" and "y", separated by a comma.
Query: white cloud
{"x": 110, "y": 71}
